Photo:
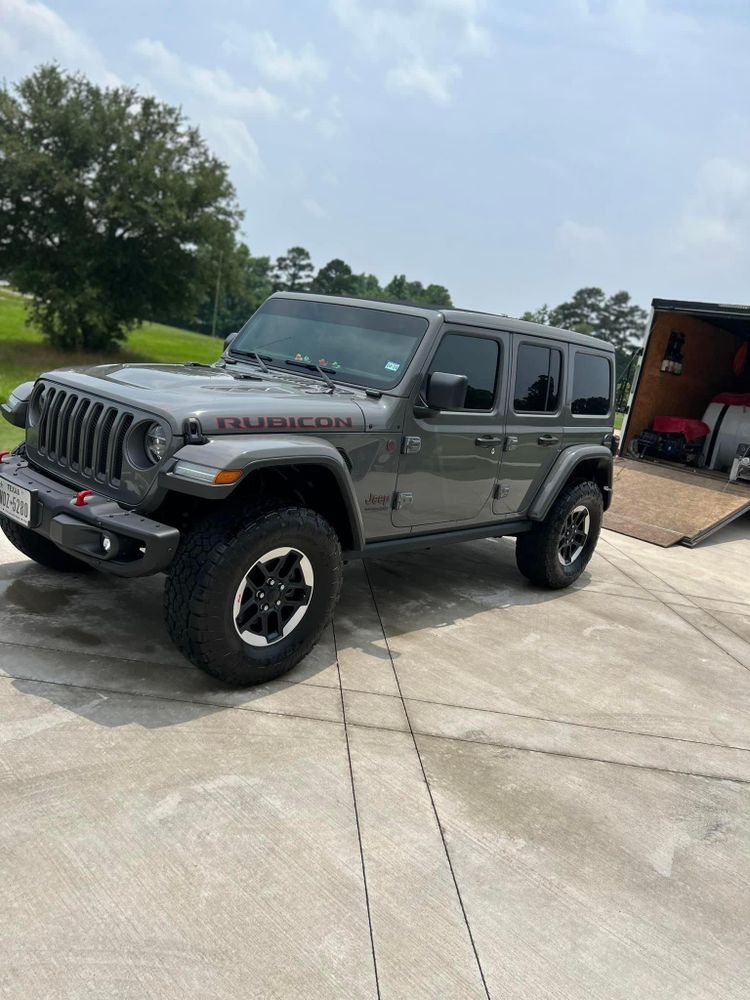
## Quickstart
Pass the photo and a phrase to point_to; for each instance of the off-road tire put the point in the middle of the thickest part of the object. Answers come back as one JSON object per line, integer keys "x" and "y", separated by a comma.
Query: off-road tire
{"x": 537, "y": 550}
{"x": 41, "y": 549}
{"x": 211, "y": 562}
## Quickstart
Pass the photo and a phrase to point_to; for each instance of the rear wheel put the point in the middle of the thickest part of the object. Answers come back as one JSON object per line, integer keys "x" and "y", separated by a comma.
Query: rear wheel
{"x": 557, "y": 550}
{"x": 249, "y": 594}
{"x": 41, "y": 549}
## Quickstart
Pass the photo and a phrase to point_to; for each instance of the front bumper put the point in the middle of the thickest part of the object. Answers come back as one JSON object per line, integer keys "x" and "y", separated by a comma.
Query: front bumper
{"x": 138, "y": 546}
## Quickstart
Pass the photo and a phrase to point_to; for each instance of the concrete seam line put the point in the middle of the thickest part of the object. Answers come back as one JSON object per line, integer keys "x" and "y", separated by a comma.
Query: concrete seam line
{"x": 178, "y": 701}
{"x": 374, "y": 694}
{"x": 552, "y": 753}
{"x": 674, "y": 607}
{"x": 592, "y": 760}
{"x": 679, "y": 593}
{"x": 154, "y": 663}
{"x": 356, "y": 816}
{"x": 427, "y": 785}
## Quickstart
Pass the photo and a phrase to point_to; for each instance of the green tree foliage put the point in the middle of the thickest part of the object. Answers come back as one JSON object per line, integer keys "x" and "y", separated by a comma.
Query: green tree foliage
{"x": 244, "y": 283}
{"x": 583, "y": 313}
{"x": 437, "y": 295}
{"x": 335, "y": 278}
{"x": 109, "y": 203}
{"x": 540, "y": 315}
{"x": 615, "y": 318}
{"x": 293, "y": 271}
{"x": 401, "y": 290}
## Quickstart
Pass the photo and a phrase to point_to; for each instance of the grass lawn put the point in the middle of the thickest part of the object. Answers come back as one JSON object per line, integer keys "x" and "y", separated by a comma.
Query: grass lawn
{"x": 24, "y": 354}
{"x": 619, "y": 417}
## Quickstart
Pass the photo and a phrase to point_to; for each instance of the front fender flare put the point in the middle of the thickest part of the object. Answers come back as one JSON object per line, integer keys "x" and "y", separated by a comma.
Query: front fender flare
{"x": 565, "y": 465}
{"x": 259, "y": 451}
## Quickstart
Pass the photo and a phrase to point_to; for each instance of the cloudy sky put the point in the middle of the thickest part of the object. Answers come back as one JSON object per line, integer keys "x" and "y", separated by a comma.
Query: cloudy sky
{"x": 512, "y": 150}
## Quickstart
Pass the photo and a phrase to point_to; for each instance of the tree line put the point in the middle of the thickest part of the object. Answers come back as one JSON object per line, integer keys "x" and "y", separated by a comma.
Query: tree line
{"x": 113, "y": 210}
{"x": 615, "y": 318}
{"x": 243, "y": 281}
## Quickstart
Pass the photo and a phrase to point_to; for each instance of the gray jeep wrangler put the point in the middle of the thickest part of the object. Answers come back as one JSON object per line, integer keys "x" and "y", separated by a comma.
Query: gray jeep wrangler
{"x": 330, "y": 429}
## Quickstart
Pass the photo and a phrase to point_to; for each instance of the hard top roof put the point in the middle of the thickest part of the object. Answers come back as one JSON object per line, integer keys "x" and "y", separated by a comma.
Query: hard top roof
{"x": 462, "y": 317}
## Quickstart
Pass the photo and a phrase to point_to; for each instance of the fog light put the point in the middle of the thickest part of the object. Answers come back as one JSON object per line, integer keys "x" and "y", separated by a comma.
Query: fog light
{"x": 106, "y": 543}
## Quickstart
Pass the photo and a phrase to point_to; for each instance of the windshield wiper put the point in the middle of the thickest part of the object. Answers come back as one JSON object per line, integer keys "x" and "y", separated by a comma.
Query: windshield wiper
{"x": 259, "y": 359}
{"x": 312, "y": 367}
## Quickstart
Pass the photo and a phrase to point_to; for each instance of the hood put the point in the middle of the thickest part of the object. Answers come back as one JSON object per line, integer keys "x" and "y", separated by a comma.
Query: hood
{"x": 222, "y": 402}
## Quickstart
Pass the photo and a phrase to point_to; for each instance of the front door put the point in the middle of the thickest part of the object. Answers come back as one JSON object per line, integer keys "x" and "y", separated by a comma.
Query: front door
{"x": 534, "y": 423}
{"x": 450, "y": 460}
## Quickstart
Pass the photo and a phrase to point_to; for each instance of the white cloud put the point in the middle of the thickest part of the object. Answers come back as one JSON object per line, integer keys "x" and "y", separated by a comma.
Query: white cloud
{"x": 277, "y": 63}
{"x": 571, "y": 234}
{"x": 230, "y": 138}
{"x": 312, "y": 207}
{"x": 717, "y": 215}
{"x": 640, "y": 26}
{"x": 332, "y": 122}
{"x": 416, "y": 76}
{"x": 214, "y": 86}
{"x": 419, "y": 42}
{"x": 31, "y": 33}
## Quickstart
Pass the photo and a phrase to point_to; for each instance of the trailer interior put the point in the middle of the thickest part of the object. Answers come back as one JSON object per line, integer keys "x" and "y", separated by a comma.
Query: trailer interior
{"x": 683, "y": 469}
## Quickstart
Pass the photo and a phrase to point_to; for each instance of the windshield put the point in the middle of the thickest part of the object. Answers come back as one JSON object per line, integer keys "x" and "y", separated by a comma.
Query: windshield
{"x": 356, "y": 344}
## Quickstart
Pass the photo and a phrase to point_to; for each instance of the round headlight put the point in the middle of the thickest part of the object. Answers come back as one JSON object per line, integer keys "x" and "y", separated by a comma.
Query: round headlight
{"x": 155, "y": 442}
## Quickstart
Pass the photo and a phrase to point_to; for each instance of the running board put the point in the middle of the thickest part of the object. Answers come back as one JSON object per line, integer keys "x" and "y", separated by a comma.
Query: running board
{"x": 394, "y": 545}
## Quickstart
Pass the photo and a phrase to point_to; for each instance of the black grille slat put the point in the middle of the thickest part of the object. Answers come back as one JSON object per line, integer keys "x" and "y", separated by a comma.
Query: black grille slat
{"x": 79, "y": 435}
{"x": 104, "y": 433}
{"x": 55, "y": 424}
{"x": 90, "y": 429}
{"x": 76, "y": 425}
{"x": 66, "y": 429}
{"x": 48, "y": 399}
{"x": 114, "y": 459}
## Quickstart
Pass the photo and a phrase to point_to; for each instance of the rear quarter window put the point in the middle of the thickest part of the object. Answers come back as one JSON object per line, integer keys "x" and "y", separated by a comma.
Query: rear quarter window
{"x": 592, "y": 385}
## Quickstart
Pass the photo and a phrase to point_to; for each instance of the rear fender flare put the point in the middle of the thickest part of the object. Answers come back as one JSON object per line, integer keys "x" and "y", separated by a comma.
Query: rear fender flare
{"x": 566, "y": 464}
{"x": 253, "y": 452}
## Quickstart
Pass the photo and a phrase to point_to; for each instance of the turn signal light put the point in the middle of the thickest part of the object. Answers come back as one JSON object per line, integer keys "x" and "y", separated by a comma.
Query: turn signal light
{"x": 227, "y": 476}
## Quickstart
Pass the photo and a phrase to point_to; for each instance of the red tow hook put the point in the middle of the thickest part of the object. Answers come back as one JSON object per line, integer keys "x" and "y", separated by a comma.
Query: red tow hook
{"x": 82, "y": 497}
{"x": 3, "y": 454}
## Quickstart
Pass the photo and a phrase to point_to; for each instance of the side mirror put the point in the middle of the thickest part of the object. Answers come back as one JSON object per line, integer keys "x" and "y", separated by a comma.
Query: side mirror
{"x": 446, "y": 392}
{"x": 228, "y": 339}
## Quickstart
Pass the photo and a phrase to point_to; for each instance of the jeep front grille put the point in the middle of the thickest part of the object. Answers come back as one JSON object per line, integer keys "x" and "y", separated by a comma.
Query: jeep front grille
{"x": 80, "y": 434}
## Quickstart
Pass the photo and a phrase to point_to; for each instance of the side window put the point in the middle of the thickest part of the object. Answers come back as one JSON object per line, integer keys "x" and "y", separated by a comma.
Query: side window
{"x": 475, "y": 357}
{"x": 592, "y": 385}
{"x": 537, "y": 388}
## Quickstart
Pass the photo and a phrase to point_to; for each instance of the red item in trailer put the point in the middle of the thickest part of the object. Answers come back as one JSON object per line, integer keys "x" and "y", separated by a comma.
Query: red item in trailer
{"x": 732, "y": 398}
{"x": 693, "y": 430}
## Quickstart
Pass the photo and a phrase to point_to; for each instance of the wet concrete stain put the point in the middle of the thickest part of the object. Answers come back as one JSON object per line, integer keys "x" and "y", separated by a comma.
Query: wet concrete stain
{"x": 35, "y": 599}
{"x": 78, "y": 635}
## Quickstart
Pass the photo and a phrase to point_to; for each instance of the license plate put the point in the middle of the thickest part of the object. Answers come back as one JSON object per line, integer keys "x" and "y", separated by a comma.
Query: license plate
{"x": 15, "y": 502}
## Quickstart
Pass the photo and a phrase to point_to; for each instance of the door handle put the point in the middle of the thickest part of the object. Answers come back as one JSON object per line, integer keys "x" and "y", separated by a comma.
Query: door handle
{"x": 488, "y": 441}
{"x": 545, "y": 440}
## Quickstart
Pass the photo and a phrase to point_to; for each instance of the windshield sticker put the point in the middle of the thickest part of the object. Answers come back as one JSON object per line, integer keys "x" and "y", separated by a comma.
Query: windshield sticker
{"x": 392, "y": 366}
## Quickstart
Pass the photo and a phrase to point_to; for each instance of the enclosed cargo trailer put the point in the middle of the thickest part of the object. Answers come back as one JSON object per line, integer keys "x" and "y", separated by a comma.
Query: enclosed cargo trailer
{"x": 686, "y": 422}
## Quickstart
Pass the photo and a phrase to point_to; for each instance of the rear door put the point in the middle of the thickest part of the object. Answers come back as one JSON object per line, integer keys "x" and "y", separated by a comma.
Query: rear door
{"x": 449, "y": 462}
{"x": 534, "y": 423}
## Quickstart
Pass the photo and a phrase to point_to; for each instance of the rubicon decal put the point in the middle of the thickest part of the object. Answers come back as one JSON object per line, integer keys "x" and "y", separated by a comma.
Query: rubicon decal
{"x": 282, "y": 423}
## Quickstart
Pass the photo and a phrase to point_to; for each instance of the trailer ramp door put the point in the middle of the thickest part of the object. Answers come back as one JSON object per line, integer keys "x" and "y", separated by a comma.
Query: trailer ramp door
{"x": 666, "y": 505}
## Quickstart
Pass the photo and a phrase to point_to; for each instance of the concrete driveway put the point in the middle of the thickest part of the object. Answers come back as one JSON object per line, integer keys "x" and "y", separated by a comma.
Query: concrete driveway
{"x": 470, "y": 789}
